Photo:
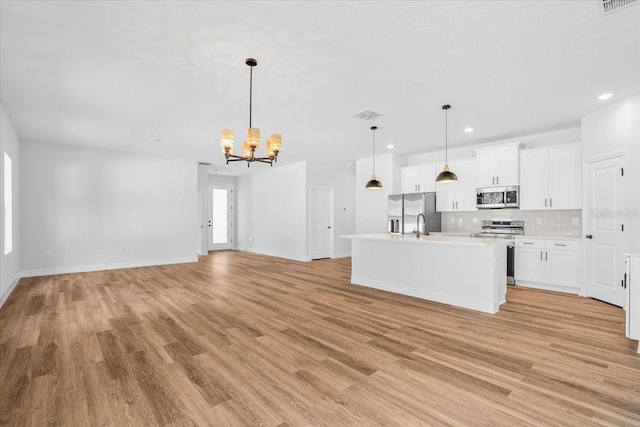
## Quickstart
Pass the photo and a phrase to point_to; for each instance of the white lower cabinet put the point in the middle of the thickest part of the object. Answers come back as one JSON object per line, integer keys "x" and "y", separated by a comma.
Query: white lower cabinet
{"x": 529, "y": 265}
{"x": 546, "y": 263}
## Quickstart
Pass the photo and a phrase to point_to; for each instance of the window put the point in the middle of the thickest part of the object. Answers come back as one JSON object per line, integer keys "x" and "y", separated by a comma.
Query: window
{"x": 8, "y": 208}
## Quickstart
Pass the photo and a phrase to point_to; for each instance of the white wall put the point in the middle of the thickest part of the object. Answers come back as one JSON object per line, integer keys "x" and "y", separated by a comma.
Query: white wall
{"x": 612, "y": 129}
{"x": 272, "y": 211}
{"x": 342, "y": 180}
{"x": 371, "y": 205}
{"x": 9, "y": 263}
{"x": 86, "y": 209}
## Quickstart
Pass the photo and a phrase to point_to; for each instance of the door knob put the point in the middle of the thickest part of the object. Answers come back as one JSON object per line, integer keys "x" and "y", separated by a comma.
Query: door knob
{"x": 329, "y": 226}
{"x": 589, "y": 236}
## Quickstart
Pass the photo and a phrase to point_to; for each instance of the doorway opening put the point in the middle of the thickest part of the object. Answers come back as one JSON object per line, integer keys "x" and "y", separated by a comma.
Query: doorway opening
{"x": 220, "y": 220}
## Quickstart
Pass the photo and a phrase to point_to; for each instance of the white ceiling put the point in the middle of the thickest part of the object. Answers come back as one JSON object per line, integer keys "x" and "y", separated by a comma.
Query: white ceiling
{"x": 119, "y": 75}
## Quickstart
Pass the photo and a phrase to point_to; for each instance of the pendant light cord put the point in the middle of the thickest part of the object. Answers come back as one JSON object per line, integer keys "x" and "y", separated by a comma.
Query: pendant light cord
{"x": 446, "y": 136}
{"x": 374, "y": 151}
{"x": 250, "y": 92}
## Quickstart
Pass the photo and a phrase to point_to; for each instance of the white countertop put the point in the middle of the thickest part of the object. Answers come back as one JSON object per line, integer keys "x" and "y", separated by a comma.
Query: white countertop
{"x": 447, "y": 233}
{"x": 576, "y": 239}
{"x": 434, "y": 239}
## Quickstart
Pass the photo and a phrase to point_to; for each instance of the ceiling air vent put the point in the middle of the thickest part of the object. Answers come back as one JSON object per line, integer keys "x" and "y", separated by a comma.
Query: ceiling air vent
{"x": 366, "y": 115}
{"x": 613, "y": 5}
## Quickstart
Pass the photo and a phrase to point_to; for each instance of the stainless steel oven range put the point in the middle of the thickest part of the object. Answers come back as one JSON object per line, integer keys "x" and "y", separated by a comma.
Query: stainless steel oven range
{"x": 503, "y": 229}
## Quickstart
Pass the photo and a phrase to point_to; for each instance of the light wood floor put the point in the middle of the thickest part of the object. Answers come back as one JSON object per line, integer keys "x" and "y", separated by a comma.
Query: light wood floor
{"x": 242, "y": 339}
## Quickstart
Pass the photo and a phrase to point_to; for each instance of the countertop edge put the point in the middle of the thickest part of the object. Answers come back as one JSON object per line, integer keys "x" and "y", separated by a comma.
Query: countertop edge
{"x": 451, "y": 240}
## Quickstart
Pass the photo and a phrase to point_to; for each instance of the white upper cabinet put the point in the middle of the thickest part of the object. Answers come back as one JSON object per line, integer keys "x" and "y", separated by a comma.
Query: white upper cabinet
{"x": 461, "y": 195}
{"x": 418, "y": 179}
{"x": 565, "y": 177}
{"x": 550, "y": 178}
{"x": 497, "y": 165}
{"x": 534, "y": 179}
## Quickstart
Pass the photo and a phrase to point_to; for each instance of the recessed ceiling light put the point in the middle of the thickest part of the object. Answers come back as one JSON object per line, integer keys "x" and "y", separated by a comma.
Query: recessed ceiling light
{"x": 605, "y": 96}
{"x": 390, "y": 146}
{"x": 468, "y": 130}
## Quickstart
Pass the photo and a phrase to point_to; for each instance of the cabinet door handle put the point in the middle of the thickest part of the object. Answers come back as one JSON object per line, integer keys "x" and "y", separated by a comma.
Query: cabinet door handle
{"x": 453, "y": 205}
{"x": 527, "y": 243}
{"x": 493, "y": 180}
{"x": 546, "y": 258}
{"x": 558, "y": 244}
{"x": 540, "y": 255}
{"x": 550, "y": 202}
{"x": 497, "y": 180}
{"x": 545, "y": 203}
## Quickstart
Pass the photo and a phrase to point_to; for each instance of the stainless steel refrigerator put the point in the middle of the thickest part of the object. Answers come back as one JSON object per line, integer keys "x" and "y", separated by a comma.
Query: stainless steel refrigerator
{"x": 413, "y": 205}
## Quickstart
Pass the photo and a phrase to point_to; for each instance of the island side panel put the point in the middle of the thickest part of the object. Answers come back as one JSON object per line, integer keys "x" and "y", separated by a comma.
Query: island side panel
{"x": 469, "y": 276}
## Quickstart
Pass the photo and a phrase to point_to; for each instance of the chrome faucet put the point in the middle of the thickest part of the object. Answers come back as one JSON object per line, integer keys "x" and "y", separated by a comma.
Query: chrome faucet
{"x": 424, "y": 221}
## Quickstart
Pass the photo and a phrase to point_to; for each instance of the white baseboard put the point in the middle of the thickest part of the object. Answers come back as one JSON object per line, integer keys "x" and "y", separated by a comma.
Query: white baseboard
{"x": 341, "y": 255}
{"x": 547, "y": 287}
{"x": 3, "y": 298}
{"x": 100, "y": 267}
{"x": 274, "y": 254}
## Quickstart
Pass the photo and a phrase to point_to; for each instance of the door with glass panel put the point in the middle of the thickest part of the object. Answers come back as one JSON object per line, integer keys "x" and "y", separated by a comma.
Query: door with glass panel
{"x": 220, "y": 217}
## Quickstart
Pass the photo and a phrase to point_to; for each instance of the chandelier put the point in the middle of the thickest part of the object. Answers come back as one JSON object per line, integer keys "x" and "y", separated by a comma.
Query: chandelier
{"x": 274, "y": 144}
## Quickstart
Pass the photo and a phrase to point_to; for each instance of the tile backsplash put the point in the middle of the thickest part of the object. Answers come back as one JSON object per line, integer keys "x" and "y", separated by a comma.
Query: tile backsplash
{"x": 554, "y": 223}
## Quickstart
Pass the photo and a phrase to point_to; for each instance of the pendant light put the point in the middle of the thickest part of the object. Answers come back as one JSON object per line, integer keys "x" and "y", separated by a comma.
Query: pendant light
{"x": 373, "y": 183}
{"x": 446, "y": 175}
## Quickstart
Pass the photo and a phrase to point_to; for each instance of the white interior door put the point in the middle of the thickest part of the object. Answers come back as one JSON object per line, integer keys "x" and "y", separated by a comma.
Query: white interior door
{"x": 220, "y": 217}
{"x": 320, "y": 222}
{"x": 604, "y": 235}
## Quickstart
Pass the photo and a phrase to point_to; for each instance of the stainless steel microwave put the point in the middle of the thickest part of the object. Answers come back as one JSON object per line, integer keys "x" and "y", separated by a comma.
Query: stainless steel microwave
{"x": 498, "y": 197}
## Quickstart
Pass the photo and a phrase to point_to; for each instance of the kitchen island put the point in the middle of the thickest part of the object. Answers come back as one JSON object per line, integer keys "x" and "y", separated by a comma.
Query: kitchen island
{"x": 461, "y": 271}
